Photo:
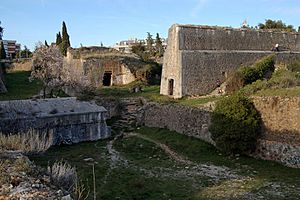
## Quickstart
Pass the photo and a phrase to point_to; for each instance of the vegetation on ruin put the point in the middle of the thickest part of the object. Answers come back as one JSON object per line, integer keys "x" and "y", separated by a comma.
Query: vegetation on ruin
{"x": 144, "y": 170}
{"x": 276, "y": 25}
{"x": 249, "y": 74}
{"x": 235, "y": 124}
{"x": 19, "y": 86}
{"x": 283, "y": 82}
{"x": 151, "y": 51}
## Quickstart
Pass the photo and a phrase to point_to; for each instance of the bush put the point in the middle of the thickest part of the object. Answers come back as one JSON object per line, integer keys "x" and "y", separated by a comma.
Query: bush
{"x": 258, "y": 70}
{"x": 235, "y": 124}
{"x": 247, "y": 75}
{"x": 63, "y": 175}
{"x": 294, "y": 66}
{"x": 283, "y": 79}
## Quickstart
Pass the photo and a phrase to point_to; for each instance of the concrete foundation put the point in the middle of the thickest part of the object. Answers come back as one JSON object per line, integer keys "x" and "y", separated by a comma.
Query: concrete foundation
{"x": 69, "y": 120}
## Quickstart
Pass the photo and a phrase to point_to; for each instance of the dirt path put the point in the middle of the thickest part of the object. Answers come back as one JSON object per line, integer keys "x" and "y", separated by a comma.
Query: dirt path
{"x": 164, "y": 147}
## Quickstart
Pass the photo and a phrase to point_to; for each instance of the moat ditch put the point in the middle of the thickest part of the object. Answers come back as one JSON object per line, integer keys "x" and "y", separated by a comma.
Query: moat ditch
{"x": 151, "y": 163}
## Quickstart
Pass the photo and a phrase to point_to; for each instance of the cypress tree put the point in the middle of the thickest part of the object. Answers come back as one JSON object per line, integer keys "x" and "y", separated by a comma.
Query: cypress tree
{"x": 65, "y": 39}
{"x": 58, "y": 39}
{"x": 46, "y": 43}
{"x": 2, "y": 51}
{"x": 1, "y": 31}
{"x": 158, "y": 46}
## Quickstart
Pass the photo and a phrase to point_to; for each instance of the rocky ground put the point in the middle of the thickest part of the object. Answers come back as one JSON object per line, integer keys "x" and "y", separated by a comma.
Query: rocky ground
{"x": 21, "y": 179}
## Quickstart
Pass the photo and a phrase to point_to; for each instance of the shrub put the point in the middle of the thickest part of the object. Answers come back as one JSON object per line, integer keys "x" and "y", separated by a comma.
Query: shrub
{"x": 294, "y": 66}
{"x": 247, "y": 75}
{"x": 235, "y": 124}
{"x": 284, "y": 79}
{"x": 30, "y": 142}
{"x": 235, "y": 82}
{"x": 258, "y": 70}
{"x": 63, "y": 175}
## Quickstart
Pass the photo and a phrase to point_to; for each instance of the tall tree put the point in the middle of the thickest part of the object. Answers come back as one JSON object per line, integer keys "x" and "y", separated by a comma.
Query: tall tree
{"x": 65, "y": 39}
{"x": 2, "y": 51}
{"x": 158, "y": 46}
{"x": 58, "y": 39}
{"x": 150, "y": 43}
{"x": 1, "y": 31}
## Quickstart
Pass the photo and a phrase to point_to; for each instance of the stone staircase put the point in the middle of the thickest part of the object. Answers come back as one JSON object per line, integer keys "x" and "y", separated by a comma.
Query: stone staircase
{"x": 129, "y": 110}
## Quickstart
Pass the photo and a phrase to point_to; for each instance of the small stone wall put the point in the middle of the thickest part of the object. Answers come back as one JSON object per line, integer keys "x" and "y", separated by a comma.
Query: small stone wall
{"x": 182, "y": 119}
{"x": 279, "y": 142}
{"x": 69, "y": 120}
{"x": 281, "y": 129}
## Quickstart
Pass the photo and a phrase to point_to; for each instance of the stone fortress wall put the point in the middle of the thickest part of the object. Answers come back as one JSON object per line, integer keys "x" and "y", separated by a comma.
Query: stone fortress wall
{"x": 198, "y": 56}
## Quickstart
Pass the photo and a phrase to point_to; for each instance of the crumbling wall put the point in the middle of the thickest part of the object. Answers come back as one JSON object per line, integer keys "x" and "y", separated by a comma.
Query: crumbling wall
{"x": 281, "y": 129}
{"x": 95, "y": 69}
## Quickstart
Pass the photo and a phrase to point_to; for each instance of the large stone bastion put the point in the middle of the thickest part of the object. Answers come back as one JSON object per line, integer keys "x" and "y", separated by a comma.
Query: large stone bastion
{"x": 198, "y": 57}
{"x": 69, "y": 120}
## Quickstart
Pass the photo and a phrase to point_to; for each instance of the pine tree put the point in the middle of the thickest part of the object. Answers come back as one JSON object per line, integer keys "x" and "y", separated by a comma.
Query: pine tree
{"x": 158, "y": 46}
{"x": 58, "y": 39}
{"x": 2, "y": 51}
{"x": 65, "y": 40}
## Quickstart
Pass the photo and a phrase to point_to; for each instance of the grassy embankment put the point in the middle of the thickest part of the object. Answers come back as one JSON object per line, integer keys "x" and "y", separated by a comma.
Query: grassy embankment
{"x": 19, "y": 86}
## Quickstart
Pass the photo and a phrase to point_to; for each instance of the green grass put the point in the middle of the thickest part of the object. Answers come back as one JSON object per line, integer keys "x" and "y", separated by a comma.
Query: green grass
{"x": 201, "y": 152}
{"x": 19, "y": 86}
{"x": 283, "y": 92}
{"x": 151, "y": 93}
{"x": 149, "y": 173}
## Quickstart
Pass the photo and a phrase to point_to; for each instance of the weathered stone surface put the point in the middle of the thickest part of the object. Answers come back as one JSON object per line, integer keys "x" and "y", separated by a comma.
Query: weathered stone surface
{"x": 182, "y": 119}
{"x": 280, "y": 140}
{"x": 94, "y": 62}
{"x": 69, "y": 120}
{"x": 198, "y": 56}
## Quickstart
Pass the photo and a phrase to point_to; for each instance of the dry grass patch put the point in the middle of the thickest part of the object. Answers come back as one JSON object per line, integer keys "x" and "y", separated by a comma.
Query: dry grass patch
{"x": 30, "y": 142}
{"x": 232, "y": 188}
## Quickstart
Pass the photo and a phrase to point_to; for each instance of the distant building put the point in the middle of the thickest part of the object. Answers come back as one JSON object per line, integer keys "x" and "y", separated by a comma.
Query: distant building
{"x": 125, "y": 46}
{"x": 11, "y": 48}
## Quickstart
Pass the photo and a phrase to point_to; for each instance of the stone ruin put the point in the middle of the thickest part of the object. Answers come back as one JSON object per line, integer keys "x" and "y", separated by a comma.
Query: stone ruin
{"x": 105, "y": 66}
{"x": 69, "y": 120}
{"x": 198, "y": 57}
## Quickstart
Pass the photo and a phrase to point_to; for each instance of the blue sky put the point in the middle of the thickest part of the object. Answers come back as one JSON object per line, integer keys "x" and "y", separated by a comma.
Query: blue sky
{"x": 91, "y": 22}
